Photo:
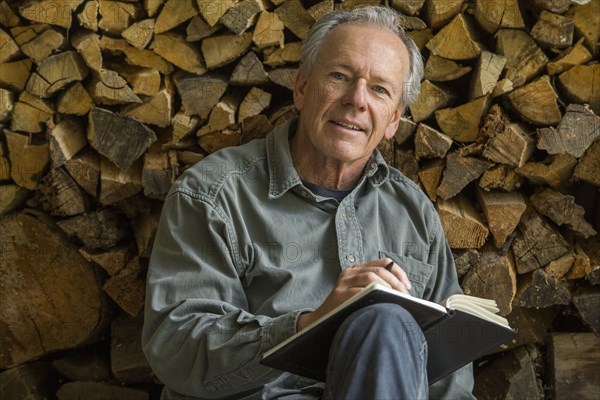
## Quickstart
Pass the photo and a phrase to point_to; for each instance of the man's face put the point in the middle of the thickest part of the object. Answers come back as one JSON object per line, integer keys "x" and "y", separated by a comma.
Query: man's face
{"x": 350, "y": 100}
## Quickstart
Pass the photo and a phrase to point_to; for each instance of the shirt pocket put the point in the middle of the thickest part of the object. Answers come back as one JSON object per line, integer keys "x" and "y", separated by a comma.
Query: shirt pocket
{"x": 417, "y": 271}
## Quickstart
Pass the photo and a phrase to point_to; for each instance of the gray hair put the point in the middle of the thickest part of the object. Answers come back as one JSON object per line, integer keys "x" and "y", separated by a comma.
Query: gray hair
{"x": 383, "y": 17}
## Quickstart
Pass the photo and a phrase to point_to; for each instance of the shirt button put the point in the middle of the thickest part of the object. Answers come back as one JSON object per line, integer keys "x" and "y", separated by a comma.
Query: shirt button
{"x": 351, "y": 258}
{"x": 343, "y": 214}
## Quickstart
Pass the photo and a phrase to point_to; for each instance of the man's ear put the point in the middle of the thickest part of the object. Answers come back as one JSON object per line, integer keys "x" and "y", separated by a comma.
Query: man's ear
{"x": 300, "y": 89}
{"x": 392, "y": 127}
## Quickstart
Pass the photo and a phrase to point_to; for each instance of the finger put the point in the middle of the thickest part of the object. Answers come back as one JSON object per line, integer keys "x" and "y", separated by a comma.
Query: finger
{"x": 401, "y": 275}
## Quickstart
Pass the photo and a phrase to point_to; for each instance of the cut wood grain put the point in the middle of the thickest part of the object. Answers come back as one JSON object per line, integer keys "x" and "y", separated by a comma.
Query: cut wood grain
{"x": 284, "y": 77}
{"x": 493, "y": 15}
{"x": 586, "y": 300}
{"x": 112, "y": 260}
{"x": 14, "y": 75}
{"x": 553, "y": 30}
{"x": 88, "y": 15}
{"x": 139, "y": 35}
{"x": 198, "y": 29}
{"x": 199, "y": 94}
{"x": 587, "y": 167}
{"x": 268, "y": 31}
{"x": 456, "y": 41}
{"x": 85, "y": 169}
{"x": 12, "y": 197}
{"x": 487, "y": 72}
{"x": 60, "y": 196}
{"x": 87, "y": 45}
{"x": 212, "y": 10}
{"x": 576, "y": 55}
{"x": 173, "y": 13}
{"x": 580, "y": 85}
{"x": 555, "y": 171}
{"x": 30, "y": 112}
{"x": 242, "y": 15}
{"x": 174, "y": 48}
{"x": 109, "y": 88}
{"x": 8, "y": 17}
{"x": 127, "y": 287}
{"x": 438, "y": 13}
{"x": 222, "y": 116}
{"x": 65, "y": 139}
{"x": 537, "y": 102}
{"x": 7, "y": 103}
{"x": 276, "y": 57}
{"x": 56, "y": 72}
{"x": 36, "y": 41}
{"x": 255, "y": 101}
{"x": 462, "y": 123}
{"x": 223, "y": 49}
{"x": 116, "y": 16}
{"x": 49, "y": 12}
{"x": 441, "y": 70}
{"x": 430, "y": 175}
{"x": 430, "y": 143}
{"x": 463, "y": 226}
{"x": 459, "y": 172}
{"x": 538, "y": 290}
{"x": 524, "y": 58}
{"x": 295, "y": 17}
{"x": 74, "y": 100}
{"x": 432, "y": 97}
{"x": 100, "y": 229}
{"x": 586, "y": 27}
{"x": 117, "y": 184}
{"x": 503, "y": 212}
{"x": 28, "y": 160}
{"x": 249, "y": 71}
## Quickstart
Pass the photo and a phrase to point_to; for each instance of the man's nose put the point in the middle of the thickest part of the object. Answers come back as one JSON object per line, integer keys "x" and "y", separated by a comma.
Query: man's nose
{"x": 356, "y": 95}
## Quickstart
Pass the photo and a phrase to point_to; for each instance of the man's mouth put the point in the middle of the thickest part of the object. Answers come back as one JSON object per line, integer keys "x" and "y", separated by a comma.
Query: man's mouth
{"x": 349, "y": 126}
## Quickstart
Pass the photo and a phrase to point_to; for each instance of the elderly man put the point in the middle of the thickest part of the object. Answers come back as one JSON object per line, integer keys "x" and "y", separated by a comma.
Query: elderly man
{"x": 258, "y": 241}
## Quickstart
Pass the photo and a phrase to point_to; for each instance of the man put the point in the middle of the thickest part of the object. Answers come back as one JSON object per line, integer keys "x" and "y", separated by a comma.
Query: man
{"x": 258, "y": 241}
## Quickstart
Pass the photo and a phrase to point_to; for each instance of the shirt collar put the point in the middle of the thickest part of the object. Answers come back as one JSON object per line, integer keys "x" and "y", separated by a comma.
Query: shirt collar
{"x": 283, "y": 175}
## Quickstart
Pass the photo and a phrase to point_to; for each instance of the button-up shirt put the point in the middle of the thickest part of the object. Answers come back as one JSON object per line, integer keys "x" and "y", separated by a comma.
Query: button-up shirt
{"x": 243, "y": 248}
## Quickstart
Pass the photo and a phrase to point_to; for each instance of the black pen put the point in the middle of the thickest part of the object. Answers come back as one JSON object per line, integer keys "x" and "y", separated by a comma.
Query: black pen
{"x": 389, "y": 266}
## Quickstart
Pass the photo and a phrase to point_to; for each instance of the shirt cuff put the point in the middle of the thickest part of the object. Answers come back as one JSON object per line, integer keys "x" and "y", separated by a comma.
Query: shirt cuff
{"x": 280, "y": 328}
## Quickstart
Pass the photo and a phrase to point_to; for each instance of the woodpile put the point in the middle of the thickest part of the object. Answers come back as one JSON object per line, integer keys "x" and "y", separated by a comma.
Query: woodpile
{"x": 103, "y": 103}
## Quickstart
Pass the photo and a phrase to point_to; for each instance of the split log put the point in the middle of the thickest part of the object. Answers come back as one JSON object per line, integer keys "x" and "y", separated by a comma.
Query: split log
{"x": 581, "y": 264}
{"x": 503, "y": 212}
{"x": 556, "y": 6}
{"x": 421, "y": 38}
{"x": 14, "y": 75}
{"x": 438, "y": 13}
{"x": 99, "y": 229}
{"x": 326, "y": 6}
{"x": 255, "y": 101}
{"x": 502, "y": 87}
{"x": 85, "y": 169}
{"x": 199, "y": 94}
{"x": 37, "y": 41}
{"x": 408, "y": 7}
{"x": 8, "y": 17}
{"x": 198, "y": 29}
{"x": 430, "y": 143}
{"x": 223, "y": 49}
{"x": 462, "y": 224}
{"x": 214, "y": 141}
{"x": 558, "y": 268}
{"x": 508, "y": 143}
{"x": 87, "y": 45}
{"x": 555, "y": 171}
{"x": 56, "y": 72}
{"x": 249, "y": 71}
{"x": 183, "y": 125}
{"x": 524, "y": 58}
{"x": 28, "y": 161}
{"x": 128, "y": 363}
{"x": 255, "y": 127}
{"x": 174, "y": 48}
{"x": 117, "y": 184}
{"x": 538, "y": 290}
{"x": 537, "y": 102}
{"x": 99, "y": 391}
{"x": 88, "y": 364}
{"x": 222, "y": 116}
{"x": 537, "y": 243}
{"x": 109, "y": 88}
{"x": 586, "y": 301}
{"x": 111, "y": 260}
{"x": 287, "y": 55}
{"x": 432, "y": 97}
{"x": 295, "y": 17}
{"x": 531, "y": 324}
{"x": 576, "y": 55}
{"x": 146, "y": 113}
{"x": 139, "y": 35}
{"x": 455, "y": 41}
{"x": 145, "y": 224}
{"x": 462, "y": 123}
{"x": 12, "y": 197}
{"x": 441, "y": 70}
{"x": 65, "y": 140}
{"x": 116, "y": 16}
{"x": 143, "y": 81}
{"x": 587, "y": 167}
{"x": 459, "y": 172}
{"x": 586, "y": 27}
{"x": 580, "y": 85}
{"x": 60, "y": 196}
{"x": 493, "y": 15}
{"x": 486, "y": 75}
{"x": 430, "y": 176}
{"x": 127, "y": 287}
{"x": 158, "y": 174}
{"x": 465, "y": 260}
{"x": 406, "y": 128}
{"x": 133, "y": 56}
{"x": 242, "y": 16}
{"x": 121, "y": 139}
{"x": 33, "y": 381}
{"x": 212, "y": 11}
{"x": 493, "y": 277}
{"x": 575, "y": 359}
{"x": 41, "y": 269}
{"x": 406, "y": 162}
{"x": 268, "y": 31}
{"x": 173, "y": 13}
{"x": 7, "y": 104}
{"x": 30, "y": 112}
{"x": 284, "y": 77}
{"x": 88, "y": 16}
{"x": 562, "y": 210}
{"x": 553, "y": 30}
{"x": 49, "y": 12}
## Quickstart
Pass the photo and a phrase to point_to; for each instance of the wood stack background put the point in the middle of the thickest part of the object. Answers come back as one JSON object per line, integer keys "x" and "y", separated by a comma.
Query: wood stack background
{"x": 104, "y": 103}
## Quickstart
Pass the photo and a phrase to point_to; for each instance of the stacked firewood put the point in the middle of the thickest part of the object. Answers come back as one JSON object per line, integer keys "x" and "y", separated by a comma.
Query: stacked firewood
{"x": 104, "y": 103}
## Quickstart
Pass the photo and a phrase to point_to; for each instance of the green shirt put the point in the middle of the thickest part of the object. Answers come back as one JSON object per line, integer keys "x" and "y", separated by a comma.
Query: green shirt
{"x": 243, "y": 247}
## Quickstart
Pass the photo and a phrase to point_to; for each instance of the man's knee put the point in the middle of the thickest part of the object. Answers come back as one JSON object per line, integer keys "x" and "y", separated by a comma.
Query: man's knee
{"x": 385, "y": 318}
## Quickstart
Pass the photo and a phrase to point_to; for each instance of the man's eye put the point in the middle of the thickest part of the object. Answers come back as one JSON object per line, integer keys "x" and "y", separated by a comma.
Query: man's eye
{"x": 337, "y": 75}
{"x": 380, "y": 89}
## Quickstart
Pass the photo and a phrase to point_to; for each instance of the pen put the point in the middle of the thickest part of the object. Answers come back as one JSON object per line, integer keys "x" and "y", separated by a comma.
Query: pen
{"x": 389, "y": 266}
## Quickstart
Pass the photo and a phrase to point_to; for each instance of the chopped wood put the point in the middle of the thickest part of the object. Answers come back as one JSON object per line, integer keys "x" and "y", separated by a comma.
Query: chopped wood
{"x": 60, "y": 196}
{"x": 157, "y": 175}
{"x": 284, "y": 77}
{"x": 38, "y": 41}
{"x": 536, "y": 102}
{"x": 502, "y": 87}
{"x": 249, "y": 71}
{"x": 576, "y": 55}
{"x": 431, "y": 98}
{"x": 183, "y": 125}
{"x": 289, "y": 54}
{"x": 49, "y": 12}
{"x": 152, "y": 6}
{"x": 586, "y": 300}
{"x": 487, "y": 72}
{"x": 117, "y": 184}
{"x": 174, "y": 13}
{"x": 553, "y": 30}
{"x": 439, "y": 12}
{"x": 575, "y": 360}
{"x": 223, "y": 49}
{"x": 586, "y": 27}
{"x": 140, "y": 58}
{"x": 577, "y": 130}
{"x": 214, "y": 141}
{"x": 109, "y": 88}
{"x": 112, "y": 260}
{"x": 268, "y": 31}
{"x": 121, "y": 139}
{"x": 85, "y": 169}
{"x": 14, "y": 75}
{"x": 99, "y": 390}
{"x": 74, "y": 100}
{"x": 513, "y": 376}
{"x": 406, "y": 128}
{"x": 199, "y": 94}
{"x": 255, "y": 127}
{"x": 431, "y": 143}
{"x": 87, "y": 45}
{"x": 56, "y": 72}
{"x": 421, "y": 38}
{"x": 28, "y": 161}
{"x": 30, "y": 112}
{"x": 255, "y": 101}
{"x": 555, "y": 171}
{"x": 351, "y": 4}
{"x": 145, "y": 224}
{"x": 127, "y": 287}
{"x": 8, "y": 17}
{"x": 562, "y": 210}
{"x": 7, "y": 103}
{"x": 537, "y": 243}
{"x": 65, "y": 139}
{"x": 581, "y": 264}
{"x": 4, "y": 161}
{"x": 139, "y": 35}
{"x": 12, "y": 197}
{"x": 538, "y": 290}
{"x": 158, "y": 110}
{"x": 295, "y": 17}
{"x": 459, "y": 172}
{"x": 29, "y": 381}
{"x": 580, "y": 85}
{"x": 212, "y": 11}
{"x": 127, "y": 360}
{"x": 441, "y": 70}
{"x": 587, "y": 167}
{"x": 88, "y": 16}
{"x": 503, "y": 212}
{"x": 408, "y": 7}
{"x": 411, "y": 23}
{"x": 455, "y": 41}
{"x": 44, "y": 270}
{"x": 524, "y": 58}
{"x": 386, "y": 148}
{"x": 463, "y": 226}
{"x": 558, "y": 268}
{"x": 116, "y": 16}
{"x": 492, "y": 15}
{"x": 406, "y": 162}
{"x": 465, "y": 260}
{"x": 531, "y": 324}
{"x": 198, "y": 29}
{"x": 430, "y": 176}
{"x": 143, "y": 81}
{"x": 462, "y": 123}
{"x": 319, "y": 9}
{"x": 508, "y": 143}
{"x": 556, "y": 6}
{"x": 242, "y": 15}
{"x": 174, "y": 48}
{"x": 100, "y": 229}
